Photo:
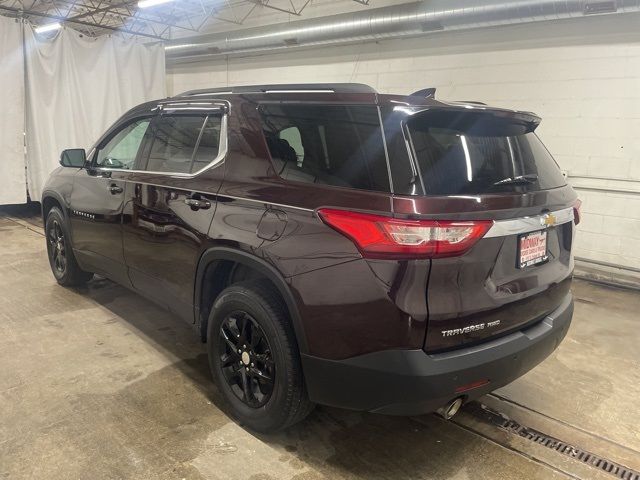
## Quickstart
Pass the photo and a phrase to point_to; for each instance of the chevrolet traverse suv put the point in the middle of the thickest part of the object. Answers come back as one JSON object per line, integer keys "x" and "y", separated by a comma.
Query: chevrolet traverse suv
{"x": 331, "y": 245}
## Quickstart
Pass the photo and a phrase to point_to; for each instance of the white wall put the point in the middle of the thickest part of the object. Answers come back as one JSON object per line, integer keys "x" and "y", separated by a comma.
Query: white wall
{"x": 582, "y": 76}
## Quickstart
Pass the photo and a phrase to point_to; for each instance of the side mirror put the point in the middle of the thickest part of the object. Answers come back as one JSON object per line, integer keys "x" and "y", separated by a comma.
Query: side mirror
{"x": 73, "y": 157}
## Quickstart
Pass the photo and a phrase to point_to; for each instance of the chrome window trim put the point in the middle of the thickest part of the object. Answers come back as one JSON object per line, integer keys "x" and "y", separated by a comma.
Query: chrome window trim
{"x": 213, "y": 194}
{"x": 210, "y": 193}
{"x": 219, "y": 160}
{"x": 504, "y": 228}
{"x": 212, "y": 106}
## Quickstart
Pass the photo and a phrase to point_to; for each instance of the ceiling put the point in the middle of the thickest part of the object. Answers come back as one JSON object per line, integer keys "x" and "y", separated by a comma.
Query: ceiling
{"x": 99, "y": 17}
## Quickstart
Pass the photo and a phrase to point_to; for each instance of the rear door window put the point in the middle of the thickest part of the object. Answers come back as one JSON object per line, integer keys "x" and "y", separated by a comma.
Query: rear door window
{"x": 327, "y": 145}
{"x": 175, "y": 139}
{"x": 466, "y": 153}
{"x": 209, "y": 144}
{"x": 183, "y": 143}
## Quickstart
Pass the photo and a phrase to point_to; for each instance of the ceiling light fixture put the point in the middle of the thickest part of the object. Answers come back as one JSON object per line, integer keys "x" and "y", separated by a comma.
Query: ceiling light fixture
{"x": 48, "y": 28}
{"x": 151, "y": 3}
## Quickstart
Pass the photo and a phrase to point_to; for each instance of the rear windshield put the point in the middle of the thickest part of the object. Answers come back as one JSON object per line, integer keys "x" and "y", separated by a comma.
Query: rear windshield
{"x": 327, "y": 144}
{"x": 467, "y": 153}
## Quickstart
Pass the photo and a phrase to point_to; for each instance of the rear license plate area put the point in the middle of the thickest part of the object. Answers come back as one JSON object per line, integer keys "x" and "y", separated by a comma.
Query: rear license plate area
{"x": 532, "y": 248}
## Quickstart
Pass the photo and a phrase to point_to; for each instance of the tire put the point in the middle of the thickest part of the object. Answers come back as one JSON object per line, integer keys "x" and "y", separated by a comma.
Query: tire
{"x": 283, "y": 403}
{"x": 61, "y": 258}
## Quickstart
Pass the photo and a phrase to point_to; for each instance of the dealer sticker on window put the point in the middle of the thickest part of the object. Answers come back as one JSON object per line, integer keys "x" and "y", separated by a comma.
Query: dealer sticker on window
{"x": 532, "y": 248}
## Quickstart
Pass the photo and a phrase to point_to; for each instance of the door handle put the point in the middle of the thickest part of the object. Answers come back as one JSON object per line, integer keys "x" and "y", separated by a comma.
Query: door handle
{"x": 197, "y": 204}
{"x": 115, "y": 189}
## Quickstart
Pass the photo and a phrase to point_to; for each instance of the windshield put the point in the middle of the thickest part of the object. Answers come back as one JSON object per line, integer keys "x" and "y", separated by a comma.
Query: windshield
{"x": 458, "y": 153}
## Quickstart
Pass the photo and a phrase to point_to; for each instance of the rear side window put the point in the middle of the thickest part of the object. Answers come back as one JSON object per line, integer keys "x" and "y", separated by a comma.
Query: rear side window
{"x": 466, "y": 153}
{"x": 292, "y": 135}
{"x": 183, "y": 143}
{"x": 327, "y": 145}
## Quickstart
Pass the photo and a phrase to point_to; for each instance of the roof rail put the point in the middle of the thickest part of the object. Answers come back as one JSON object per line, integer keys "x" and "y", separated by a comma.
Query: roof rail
{"x": 284, "y": 88}
{"x": 473, "y": 102}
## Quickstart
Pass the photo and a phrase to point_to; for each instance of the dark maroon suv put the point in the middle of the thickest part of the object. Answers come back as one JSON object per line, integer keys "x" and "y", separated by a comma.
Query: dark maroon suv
{"x": 332, "y": 245}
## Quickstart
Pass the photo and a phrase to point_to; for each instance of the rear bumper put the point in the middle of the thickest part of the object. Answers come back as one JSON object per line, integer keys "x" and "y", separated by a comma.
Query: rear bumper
{"x": 411, "y": 382}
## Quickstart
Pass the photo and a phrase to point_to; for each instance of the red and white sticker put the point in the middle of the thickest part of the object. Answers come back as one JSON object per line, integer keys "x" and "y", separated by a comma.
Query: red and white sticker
{"x": 533, "y": 248}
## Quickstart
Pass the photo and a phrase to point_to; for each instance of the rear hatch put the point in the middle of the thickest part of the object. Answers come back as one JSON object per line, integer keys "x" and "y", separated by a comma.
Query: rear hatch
{"x": 471, "y": 163}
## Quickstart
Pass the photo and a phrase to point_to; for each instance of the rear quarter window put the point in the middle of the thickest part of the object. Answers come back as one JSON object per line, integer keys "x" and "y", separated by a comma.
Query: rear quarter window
{"x": 327, "y": 145}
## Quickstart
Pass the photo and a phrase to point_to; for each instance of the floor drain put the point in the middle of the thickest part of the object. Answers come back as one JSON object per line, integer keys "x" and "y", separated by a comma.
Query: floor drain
{"x": 596, "y": 461}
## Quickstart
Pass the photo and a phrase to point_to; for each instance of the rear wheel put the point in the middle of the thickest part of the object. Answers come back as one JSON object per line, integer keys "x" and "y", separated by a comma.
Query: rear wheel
{"x": 63, "y": 263}
{"x": 254, "y": 357}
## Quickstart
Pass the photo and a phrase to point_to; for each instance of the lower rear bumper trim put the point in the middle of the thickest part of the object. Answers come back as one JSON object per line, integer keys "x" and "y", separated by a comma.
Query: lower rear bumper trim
{"x": 412, "y": 382}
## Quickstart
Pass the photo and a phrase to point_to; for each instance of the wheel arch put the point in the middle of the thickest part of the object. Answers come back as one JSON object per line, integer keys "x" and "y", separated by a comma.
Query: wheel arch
{"x": 49, "y": 200}
{"x": 222, "y": 257}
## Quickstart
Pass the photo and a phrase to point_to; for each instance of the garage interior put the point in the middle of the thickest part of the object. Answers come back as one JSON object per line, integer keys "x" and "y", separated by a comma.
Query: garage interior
{"x": 98, "y": 382}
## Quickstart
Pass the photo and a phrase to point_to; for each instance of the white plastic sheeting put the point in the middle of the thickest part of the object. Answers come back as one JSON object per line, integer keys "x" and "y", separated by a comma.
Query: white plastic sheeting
{"x": 12, "y": 173}
{"x": 77, "y": 87}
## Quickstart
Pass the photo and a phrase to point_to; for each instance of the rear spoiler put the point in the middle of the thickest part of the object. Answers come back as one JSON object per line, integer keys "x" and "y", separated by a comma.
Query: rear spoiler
{"x": 425, "y": 93}
{"x": 464, "y": 114}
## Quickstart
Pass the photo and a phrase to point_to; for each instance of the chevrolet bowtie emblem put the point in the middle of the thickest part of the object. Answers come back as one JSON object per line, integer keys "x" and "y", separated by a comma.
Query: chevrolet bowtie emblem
{"x": 548, "y": 220}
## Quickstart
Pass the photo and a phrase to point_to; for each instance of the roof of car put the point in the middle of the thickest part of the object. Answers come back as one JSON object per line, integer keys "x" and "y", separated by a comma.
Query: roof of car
{"x": 358, "y": 92}
{"x": 283, "y": 88}
{"x": 341, "y": 92}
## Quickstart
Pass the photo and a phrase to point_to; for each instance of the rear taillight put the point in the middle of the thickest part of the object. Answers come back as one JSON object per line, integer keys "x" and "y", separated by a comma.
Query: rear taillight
{"x": 576, "y": 211}
{"x": 377, "y": 236}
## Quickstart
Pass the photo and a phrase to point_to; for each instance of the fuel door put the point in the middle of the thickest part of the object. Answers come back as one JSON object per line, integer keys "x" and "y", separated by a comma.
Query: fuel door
{"x": 272, "y": 224}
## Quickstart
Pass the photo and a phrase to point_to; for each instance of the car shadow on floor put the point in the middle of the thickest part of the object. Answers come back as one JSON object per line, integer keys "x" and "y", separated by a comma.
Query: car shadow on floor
{"x": 331, "y": 442}
{"x": 29, "y": 212}
{"x": 157, "y": 326}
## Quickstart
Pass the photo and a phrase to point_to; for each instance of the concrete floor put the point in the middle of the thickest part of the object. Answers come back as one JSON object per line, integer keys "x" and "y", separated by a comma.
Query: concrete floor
{"x": 99, "y": 383}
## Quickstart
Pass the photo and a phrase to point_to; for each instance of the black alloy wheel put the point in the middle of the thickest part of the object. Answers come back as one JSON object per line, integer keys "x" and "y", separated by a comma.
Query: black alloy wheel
{"x": 246, "y": 359}
{"x": 57, "y": 248}
{"x": 254, "y": 357}
{"x": 60, "y": 251}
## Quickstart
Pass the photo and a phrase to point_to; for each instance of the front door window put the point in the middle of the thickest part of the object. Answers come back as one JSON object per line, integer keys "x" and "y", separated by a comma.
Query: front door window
{"x": 120, "y": 152}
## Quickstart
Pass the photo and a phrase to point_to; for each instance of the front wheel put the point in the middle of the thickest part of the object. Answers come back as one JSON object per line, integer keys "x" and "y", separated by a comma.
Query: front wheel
{"x": 254, "y": 357}
{"x": 61, "y": 258}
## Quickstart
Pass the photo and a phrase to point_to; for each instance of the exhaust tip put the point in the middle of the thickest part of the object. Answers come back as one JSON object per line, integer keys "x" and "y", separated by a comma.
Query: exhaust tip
{"x": 450, "y": 409}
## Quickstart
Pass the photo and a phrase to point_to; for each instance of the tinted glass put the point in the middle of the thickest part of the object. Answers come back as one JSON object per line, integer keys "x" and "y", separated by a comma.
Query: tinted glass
{"x": 404, "y": 174}
{"x": 121, "y": 150}
{"x": 292, "y": 135}
{"x": 329, "y": 145}
{"x": 209, "y": 144}
{"x": 174, "y": 142}
{"x": 478, "y": 153}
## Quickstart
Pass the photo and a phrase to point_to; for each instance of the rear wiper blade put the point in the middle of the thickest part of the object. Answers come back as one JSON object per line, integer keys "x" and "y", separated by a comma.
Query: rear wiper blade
{"x": 519, "y": 180}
